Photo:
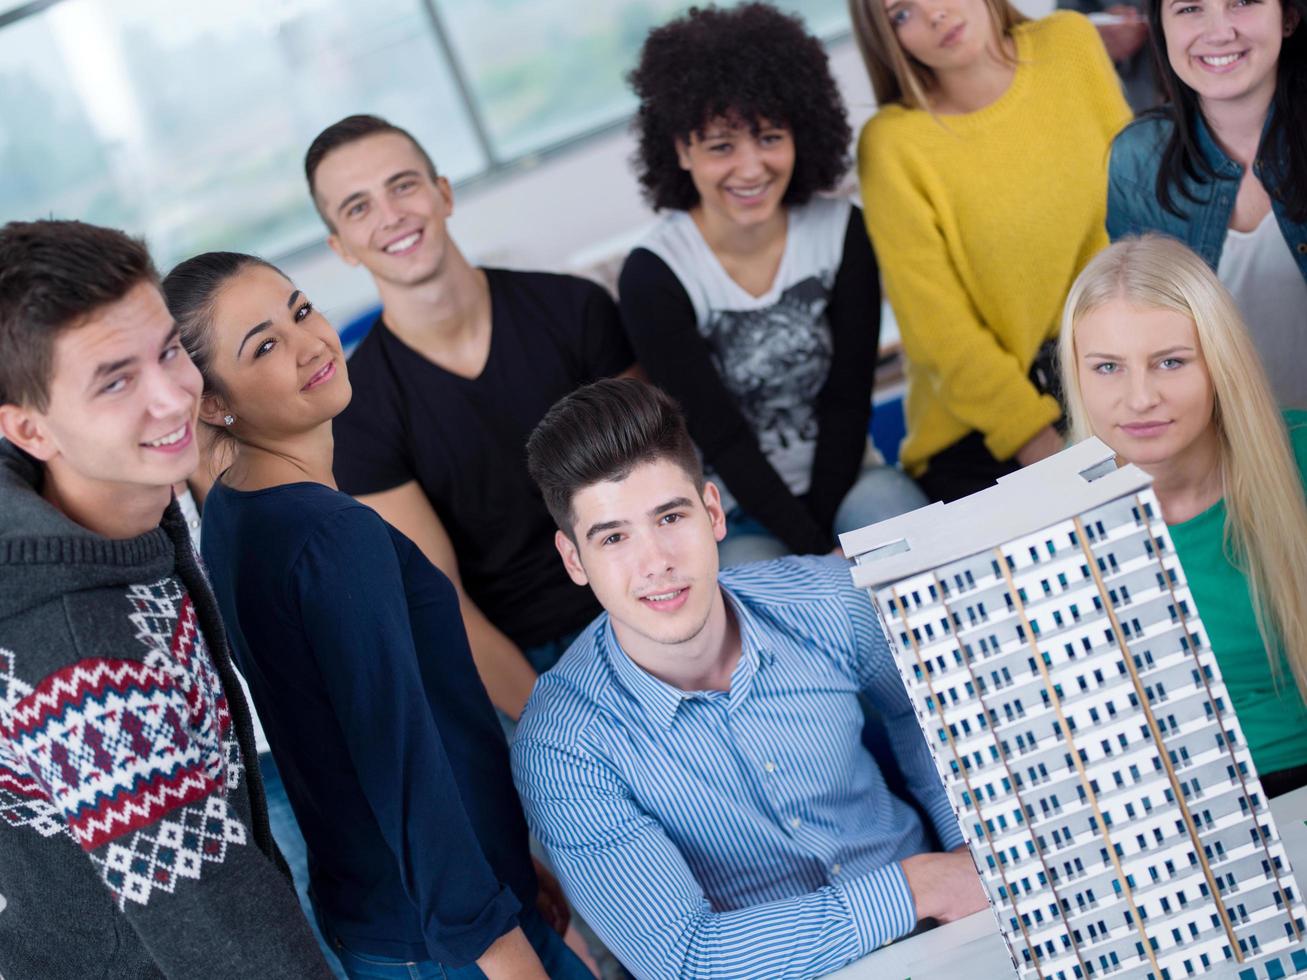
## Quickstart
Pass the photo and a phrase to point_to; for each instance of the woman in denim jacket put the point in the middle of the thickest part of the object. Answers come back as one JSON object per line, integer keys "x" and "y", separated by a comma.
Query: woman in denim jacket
{"x": 1223, "y": 164}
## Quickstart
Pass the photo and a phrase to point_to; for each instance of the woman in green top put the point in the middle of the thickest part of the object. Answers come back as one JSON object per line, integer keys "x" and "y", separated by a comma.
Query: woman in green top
{"x": 1157, "y": 363}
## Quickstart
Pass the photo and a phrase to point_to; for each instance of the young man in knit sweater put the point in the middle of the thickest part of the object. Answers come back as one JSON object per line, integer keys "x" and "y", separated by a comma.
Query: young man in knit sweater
{"x": 134, "y": 836}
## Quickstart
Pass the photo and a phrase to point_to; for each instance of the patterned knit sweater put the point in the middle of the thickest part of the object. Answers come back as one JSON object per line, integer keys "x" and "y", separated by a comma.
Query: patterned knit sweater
{"x": 134, "y": 840}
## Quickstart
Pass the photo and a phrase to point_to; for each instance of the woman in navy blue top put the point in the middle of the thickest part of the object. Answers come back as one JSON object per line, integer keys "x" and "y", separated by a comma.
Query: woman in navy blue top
{"x": 354, "y": 649}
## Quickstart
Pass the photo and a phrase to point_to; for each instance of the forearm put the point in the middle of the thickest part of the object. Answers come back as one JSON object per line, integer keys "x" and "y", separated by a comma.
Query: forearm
{"x": 841, "y": 446}
{"x": 764, "y": 496}
{"x": 844, "y": 405}
{"x": 810, "y": 935}
{"x": 981, "y": 380}
{"x": 504, "y": 671}
{"x": 511, "y": 957}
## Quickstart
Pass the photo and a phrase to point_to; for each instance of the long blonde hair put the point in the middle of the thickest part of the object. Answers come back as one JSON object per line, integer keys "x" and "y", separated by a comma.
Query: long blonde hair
{"x": 1266, "y": 526}
{"x": 896, "y": 76}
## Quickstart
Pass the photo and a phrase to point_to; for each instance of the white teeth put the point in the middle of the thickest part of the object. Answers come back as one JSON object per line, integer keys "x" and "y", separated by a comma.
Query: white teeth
{"x": 1219, "y": 61}
{"x": 406, "y": 242}
{"x": 748, "y": 191}
{"x": 664, "y": 596}
{"x": 169, "y": 439}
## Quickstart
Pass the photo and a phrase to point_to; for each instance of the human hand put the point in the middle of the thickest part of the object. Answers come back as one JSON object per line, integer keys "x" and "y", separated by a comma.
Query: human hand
{"x": 551, "y": 903}
{"x": 1045, "y": 443}
{"x": 1124, "y": 39}
{"x": 945, "y": 887}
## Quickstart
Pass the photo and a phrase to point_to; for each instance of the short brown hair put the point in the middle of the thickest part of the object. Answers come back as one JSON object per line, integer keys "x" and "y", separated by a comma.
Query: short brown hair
{"x": 602, "y": 432}
{"x": 351, "y": 129}
{"x": 53, "y": 276}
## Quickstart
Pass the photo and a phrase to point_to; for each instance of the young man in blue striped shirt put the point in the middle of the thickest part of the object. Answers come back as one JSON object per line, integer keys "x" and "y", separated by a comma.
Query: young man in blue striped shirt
{"x": 693, "y": 764}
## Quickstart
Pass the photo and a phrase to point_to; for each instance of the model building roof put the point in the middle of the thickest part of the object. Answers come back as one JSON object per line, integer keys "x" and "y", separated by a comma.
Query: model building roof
{"x": 1055, "y": 489}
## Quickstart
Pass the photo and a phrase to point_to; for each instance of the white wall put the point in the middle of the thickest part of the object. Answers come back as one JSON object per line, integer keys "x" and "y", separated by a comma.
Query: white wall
{"x": 564, "y": 213}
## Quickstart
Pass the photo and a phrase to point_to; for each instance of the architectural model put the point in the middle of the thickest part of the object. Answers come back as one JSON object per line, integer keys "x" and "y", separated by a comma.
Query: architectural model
{"x": 1062, "y": 676}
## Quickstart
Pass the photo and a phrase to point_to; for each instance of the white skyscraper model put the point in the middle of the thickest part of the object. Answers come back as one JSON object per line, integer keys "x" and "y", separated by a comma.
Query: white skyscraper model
{"x": 1062, "y": 676}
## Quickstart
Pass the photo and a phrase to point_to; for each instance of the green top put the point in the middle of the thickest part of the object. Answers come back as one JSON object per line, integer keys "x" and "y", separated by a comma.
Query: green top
{"x": 1272, "y": 716}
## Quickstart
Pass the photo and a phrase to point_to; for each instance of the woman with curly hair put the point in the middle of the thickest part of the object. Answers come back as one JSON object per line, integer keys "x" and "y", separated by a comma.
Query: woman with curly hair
{"x": 752, "y": 301}
{"x": 984, "y": 179}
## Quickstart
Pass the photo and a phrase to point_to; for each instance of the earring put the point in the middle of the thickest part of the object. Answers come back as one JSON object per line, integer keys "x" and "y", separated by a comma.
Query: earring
{"x": 228, "y": 419}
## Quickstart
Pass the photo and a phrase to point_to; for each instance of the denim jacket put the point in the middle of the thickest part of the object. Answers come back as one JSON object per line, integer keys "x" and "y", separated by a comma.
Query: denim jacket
{"x": 1133, "y": 207}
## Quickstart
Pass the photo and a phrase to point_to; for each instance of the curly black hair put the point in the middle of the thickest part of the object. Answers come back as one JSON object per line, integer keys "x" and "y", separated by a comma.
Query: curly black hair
{"x": 749, "y": 63}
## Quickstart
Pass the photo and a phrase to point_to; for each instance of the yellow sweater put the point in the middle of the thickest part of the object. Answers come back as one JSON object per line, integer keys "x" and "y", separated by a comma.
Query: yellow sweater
{"x": 981, "y": 222}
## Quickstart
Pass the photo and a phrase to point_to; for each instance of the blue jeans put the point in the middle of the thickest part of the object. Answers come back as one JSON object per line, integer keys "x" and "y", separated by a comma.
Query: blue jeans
{"x": 559, "y": 961}
{"x": 880, "y": 492}
{"x": 286, "y": 832}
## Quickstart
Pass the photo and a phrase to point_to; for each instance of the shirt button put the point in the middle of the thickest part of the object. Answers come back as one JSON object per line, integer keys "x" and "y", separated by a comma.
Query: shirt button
{"x": 769, "y": 766}
{"x": 1302, "y": 248}
{"x": 796, "y": 823}
{"x": 835, "y": 868}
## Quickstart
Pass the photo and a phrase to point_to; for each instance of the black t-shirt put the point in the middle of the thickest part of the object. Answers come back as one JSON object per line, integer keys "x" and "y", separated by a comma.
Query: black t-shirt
{"x": 464, "y": 440}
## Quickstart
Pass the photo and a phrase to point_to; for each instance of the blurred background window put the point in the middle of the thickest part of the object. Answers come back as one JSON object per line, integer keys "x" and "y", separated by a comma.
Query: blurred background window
{"x": 187, "y": 121}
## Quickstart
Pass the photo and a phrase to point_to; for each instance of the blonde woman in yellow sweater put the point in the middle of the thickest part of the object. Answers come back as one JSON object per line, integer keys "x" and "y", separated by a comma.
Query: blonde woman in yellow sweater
{"x": 984, "y": 184}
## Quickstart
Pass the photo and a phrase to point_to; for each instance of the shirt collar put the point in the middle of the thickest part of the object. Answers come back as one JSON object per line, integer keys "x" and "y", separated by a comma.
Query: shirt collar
{"x": 660, "y": 700}
{"x": 1215, "y": 156}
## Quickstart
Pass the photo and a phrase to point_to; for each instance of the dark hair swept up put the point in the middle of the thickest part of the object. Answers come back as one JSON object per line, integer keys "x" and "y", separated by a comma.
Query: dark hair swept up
{"x": 601, "y": 432}
{"x": 1284, "y": 148}
{"x": 351, "y": 129}
{"x": 748, "y": 63}
{"x": 53, "y": 276}
{"x": 190, "y": 290}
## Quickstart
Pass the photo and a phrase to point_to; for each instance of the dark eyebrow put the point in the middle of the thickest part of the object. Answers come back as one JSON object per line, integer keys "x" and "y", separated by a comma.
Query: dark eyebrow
{"x": 356, "y": 196}
{"x": 603, "y": 526}
{"x": 110, "y": 367}
{"x": 113, "y": 367}
{"x": 290, "y": 303}
{"x": 674, "y": 504}
{"x": 360, "y": 195}
{"x": 401, "y": 175}
{"x": 256, "y": 329}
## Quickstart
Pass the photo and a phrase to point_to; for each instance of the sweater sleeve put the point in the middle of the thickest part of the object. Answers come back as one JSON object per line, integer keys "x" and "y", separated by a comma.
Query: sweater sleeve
{"x": 350, "y": 593}
{"x": 660, "y": 320}
{"x": 844, "y": 403}
{"x": 138, "y": 764}
{"x": 983, "y": 385}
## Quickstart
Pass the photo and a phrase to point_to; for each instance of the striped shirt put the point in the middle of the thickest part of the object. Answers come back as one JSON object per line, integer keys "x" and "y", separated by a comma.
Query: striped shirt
{"x": 735, "y": 834}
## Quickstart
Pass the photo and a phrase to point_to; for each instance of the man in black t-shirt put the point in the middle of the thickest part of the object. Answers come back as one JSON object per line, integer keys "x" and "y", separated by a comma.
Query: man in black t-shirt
{"x": 456, "y": 372}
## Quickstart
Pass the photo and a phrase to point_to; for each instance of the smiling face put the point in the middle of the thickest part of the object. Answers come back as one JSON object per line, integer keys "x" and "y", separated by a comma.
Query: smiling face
{"x": 944, "y": 35}
{"x": 1226, "y": 50}
{"x": 647, "y": 546}
{"x": 123, "y": 399}
{"x": 1145, "y": 385}
{"x": 278, "y": 362}
{"x": 741, "y": 176}
{"x": 386, "y": 210}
